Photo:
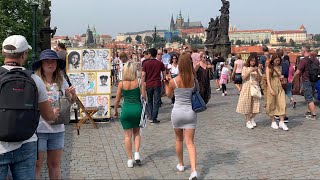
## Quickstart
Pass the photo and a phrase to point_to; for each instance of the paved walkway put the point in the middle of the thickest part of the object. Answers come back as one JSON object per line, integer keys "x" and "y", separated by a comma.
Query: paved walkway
{"x": 226, "y": 149}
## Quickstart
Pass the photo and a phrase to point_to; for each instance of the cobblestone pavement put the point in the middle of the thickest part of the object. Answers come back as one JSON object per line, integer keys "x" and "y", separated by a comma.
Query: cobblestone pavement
{"x": 226, "y": 149}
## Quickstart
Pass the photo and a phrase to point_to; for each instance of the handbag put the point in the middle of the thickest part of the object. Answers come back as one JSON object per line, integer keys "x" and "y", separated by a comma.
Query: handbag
{"x": 64, "y": 106}
{"x": 283, "y": 81}
{"x": 210, "y": 74}
{"x": 198, "y": 104}
{"x": 255, "y": 90}
{"x": 144, "y": 113}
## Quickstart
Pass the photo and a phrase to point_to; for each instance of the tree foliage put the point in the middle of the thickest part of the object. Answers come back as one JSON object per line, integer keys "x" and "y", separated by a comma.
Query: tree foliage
{"x": 129, "y": 39}
{"x": 138, "y": 38}
{"x": 16, "y": 17}
{"x": 317, "y": 37}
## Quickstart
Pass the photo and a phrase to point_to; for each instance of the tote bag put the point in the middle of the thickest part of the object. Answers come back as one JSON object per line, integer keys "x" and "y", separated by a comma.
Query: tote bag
{"x": 255, "y": 90}
{"x": 64, "y": 105}
{"x": 198, "y": 104}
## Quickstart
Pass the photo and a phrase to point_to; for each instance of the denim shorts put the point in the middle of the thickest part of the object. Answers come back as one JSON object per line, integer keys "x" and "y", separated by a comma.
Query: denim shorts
{"x": 50, "y": 141}
{"x": 22, "y": 162}
{"x": 309, "y": 88}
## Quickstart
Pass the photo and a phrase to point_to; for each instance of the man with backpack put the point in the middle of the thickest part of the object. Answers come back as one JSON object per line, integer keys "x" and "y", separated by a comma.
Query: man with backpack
{"x": 22, "y": 96}
{"x": 310, "y": 69}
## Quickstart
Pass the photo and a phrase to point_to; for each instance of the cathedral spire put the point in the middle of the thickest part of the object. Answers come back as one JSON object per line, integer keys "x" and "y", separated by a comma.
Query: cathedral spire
{"x": 172, "y": 23}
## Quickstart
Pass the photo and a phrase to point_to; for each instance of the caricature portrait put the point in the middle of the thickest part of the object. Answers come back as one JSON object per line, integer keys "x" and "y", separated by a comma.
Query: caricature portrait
{"x": 74, "y": 60}
{"x": 104, "y": 83}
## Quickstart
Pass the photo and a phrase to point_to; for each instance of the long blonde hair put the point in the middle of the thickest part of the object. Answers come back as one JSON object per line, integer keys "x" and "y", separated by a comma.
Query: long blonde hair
{"x": 186, "y": 70}
{"x": 129, "y": 71}
{"x": 57, "y": 76}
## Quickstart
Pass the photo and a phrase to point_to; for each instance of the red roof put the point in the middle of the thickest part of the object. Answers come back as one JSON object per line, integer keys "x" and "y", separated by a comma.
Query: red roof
{"x": 105, "y": 36}
{"x": 260, "y": 30}
{"x": 288, "y": 32}
{"x": 302, "y": 27}
{"x": 246, "y": 49}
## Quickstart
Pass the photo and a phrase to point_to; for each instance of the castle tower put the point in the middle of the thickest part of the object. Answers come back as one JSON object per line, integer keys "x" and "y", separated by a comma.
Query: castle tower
{"x": 179, "y": 22}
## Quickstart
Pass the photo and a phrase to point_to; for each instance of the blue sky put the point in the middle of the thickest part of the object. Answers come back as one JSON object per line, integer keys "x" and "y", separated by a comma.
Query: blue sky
{"x": 120, "y": 16}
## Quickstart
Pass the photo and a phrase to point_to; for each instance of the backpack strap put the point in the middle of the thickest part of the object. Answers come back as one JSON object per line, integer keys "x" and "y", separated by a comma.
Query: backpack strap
{"x": 174, "y": 80}
{"x": 3, "y": 70}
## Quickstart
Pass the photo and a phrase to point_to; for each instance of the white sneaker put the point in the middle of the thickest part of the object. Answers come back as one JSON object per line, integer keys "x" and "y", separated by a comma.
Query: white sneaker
{"x": 249, "y": 125}
{"x": 254, "y": 124}
{"x": 274, "y": 125}
{"x": 283, "y": 126}
{"x": 193, "y": 175}
{"x": 130, "y": 163}
{"x": 180, "y": 168}
{"x": 219, "y": 89}
{"x": 223, "y": 94}
{"x": 137, "y": 158}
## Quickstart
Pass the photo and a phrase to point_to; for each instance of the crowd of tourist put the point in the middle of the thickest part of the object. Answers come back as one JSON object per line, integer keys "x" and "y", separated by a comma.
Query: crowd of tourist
{"x": 147, "y": 77}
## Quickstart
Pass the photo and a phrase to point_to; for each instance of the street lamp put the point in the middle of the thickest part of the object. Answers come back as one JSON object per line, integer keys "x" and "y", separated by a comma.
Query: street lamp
{"x": 34, "y": 6}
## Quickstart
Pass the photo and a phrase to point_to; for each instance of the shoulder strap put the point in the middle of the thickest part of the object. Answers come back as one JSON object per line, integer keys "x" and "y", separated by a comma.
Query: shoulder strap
{"x": 139, "y": 82}
{"x": 276, "y": 72}
{"x": 174, "y": 80}
{"x": 3, "y": 70}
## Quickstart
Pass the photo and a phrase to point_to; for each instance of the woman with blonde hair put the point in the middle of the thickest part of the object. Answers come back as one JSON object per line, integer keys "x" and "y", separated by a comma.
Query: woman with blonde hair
{"x": 183, "y": 118}
{"x": 130, "y": 90}
{"x": 51, "y": 137}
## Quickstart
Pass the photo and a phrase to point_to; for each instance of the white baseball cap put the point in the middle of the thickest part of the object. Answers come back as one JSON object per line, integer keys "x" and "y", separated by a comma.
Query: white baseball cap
{"x": 15, "y": 44}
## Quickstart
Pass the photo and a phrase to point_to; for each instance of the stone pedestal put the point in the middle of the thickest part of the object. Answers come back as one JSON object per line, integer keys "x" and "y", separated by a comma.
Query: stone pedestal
{"x": 223, "y": 48}
{"x": 45, "y": 38}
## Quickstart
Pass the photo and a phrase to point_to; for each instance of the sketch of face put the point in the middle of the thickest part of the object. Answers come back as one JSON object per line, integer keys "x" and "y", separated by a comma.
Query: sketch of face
{"x": 103, "y": 81}
{"x": 100, "y": 100}
{"x": 75, "y": 59}
{"x": 86, "y": 56}
{"x": 82, "y": 76}
{"x": 105, "y": 100}
{"x": 105, "y": 54}
{"x": 92, "y": 53}
{"x": 91, "y": 63}
{"x": 100, "y": 55}
{"x": 91, "y": 76}
{"x": 100, "y": 110}
{"x": 90, "y": 101}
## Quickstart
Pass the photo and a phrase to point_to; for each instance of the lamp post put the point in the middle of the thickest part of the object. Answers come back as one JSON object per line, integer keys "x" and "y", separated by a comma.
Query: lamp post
{"x": 34, "y": 31}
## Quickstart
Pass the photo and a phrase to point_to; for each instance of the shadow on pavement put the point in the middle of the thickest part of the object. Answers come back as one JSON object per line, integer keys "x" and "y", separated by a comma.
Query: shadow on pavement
{"x": 212, "y": 158}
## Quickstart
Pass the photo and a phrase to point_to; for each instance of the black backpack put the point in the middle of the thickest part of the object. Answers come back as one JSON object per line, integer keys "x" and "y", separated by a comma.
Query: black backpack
{"x": 19, "y": 114}
{"x": 314, "y": 71}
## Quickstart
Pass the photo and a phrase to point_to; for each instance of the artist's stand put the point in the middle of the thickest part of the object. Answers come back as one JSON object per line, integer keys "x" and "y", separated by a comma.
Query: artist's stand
{"x": 89, "y": 112}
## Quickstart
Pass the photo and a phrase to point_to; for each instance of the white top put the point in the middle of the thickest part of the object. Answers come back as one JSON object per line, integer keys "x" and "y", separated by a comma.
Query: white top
{"x": 173, "y": 70}
{"x": 42, "y": 94}
{"x": 45, "y": 127}
{"x": 224, "y": 70}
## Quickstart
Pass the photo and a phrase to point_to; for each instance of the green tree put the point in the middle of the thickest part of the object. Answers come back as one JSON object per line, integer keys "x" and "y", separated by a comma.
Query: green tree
{"x": 129, "y": 39}
{"x": 238, "y": 42}
{"x": 292, "y": 43}
{"x": 138, "y": 39}
{"x": 232, "y": 41}
{"x": 16, "y": 18}
{"x": 148, "y": 40}
{"x": 176, "y": 39}
{"x": 281, "y": 39}
{"x": 317, "y": 37}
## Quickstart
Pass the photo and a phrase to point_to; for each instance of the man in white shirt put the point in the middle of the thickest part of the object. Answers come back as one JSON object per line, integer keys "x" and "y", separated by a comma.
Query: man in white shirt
{"x": 21, "y": 156}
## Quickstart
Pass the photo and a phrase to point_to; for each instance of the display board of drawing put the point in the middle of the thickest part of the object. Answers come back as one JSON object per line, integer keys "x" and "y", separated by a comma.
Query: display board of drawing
{"x": 89, "y": 71}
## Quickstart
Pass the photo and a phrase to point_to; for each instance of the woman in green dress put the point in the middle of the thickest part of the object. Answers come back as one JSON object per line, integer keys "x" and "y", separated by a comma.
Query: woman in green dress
{"x": 130, "y": 90}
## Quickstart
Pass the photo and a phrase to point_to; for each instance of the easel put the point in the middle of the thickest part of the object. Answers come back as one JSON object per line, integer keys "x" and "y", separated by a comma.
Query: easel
{"x": 88, "y": 111}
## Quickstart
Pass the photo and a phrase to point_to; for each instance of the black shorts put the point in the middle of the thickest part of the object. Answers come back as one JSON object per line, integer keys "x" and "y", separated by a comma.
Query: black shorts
{"x": 237, "y": 78}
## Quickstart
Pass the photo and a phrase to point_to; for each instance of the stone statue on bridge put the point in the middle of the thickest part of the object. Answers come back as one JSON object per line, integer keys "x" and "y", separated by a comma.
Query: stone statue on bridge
{"x": 218, "y": 32}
